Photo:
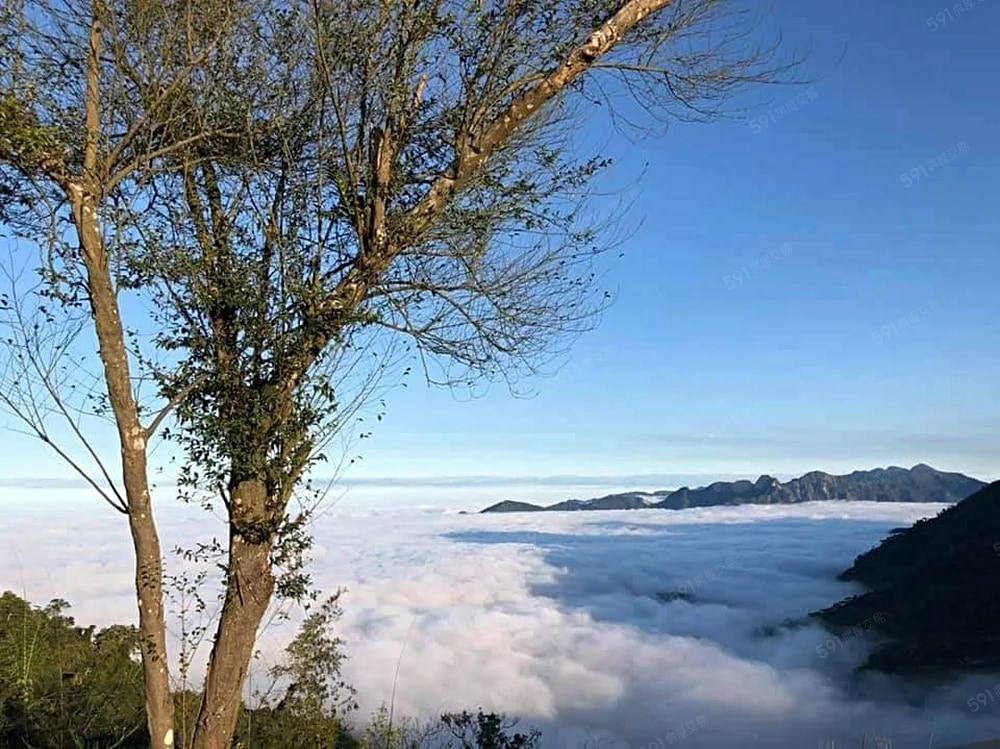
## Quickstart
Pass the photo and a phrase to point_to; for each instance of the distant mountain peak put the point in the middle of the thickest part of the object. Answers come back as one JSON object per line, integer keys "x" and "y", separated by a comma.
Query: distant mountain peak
{"x": 511, "y": 506}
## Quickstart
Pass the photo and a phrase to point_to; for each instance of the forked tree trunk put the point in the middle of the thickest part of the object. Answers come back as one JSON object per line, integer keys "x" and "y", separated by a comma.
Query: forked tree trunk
{"x": 249, "y": 586}
{"x": 83, "y": 201}
{"x": 132, "y": 439}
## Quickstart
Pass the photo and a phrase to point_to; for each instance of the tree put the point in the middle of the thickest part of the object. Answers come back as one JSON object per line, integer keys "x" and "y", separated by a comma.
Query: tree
{"x": 293, "y": 187}
{"x": 487, "y": 731}
{"x": 64, "y": 685}
{"x": 316, "y": 700}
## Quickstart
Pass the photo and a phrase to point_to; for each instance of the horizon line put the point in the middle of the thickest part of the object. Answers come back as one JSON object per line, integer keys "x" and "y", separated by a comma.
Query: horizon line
{"x": 664, "y": 480}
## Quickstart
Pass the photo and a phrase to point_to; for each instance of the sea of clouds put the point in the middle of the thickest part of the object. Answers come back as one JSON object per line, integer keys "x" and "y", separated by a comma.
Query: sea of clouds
{"x": 571, "y": 621}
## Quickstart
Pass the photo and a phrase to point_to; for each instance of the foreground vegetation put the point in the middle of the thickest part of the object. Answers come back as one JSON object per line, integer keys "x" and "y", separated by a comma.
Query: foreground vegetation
{"x": 63, "y": 685}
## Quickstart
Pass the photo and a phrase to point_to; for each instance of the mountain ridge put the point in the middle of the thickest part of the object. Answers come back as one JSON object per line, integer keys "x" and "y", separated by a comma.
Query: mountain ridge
{"x": 921, "y": 483}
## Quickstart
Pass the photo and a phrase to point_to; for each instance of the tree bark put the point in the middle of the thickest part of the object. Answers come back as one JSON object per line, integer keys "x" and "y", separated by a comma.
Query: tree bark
{"x": 132, "y": 440}
{"x": 249, "y": 586}
{"x": 149, "y": 593}
{"x": 84, "y": 201}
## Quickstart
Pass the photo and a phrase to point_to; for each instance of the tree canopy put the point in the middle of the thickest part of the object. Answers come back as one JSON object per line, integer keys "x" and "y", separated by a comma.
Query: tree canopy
{"x": 290, "y": 191}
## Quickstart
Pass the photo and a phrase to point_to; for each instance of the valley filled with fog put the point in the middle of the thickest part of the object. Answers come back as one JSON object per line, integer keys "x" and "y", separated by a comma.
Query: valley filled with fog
{"x": 614, "y": 628}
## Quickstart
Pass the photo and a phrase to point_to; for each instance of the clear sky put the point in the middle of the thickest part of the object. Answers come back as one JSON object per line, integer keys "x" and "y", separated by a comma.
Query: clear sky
{"x": 785, "y": 301}
{"x": 787, "y": 367}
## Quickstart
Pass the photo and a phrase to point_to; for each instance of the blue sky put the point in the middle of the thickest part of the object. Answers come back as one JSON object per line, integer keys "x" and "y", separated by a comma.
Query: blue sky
{"x": 709, "y": 364}
{"x": 792, "y": 367}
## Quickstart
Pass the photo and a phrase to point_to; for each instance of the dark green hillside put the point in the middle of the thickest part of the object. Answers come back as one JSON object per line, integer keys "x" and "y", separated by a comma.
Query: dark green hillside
{"x": 937, "y": 587}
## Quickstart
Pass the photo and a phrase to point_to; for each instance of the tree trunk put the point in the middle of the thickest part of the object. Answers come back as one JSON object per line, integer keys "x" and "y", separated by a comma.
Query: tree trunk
{"x": 132, "y": 439}
{"x": 84, "y": 203}
{"x": 249, "y": 586}
{"x": 152, "y": 623}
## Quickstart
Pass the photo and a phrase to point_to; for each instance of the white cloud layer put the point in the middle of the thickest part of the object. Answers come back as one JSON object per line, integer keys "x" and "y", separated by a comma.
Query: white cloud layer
{"x": 559, "y": 618}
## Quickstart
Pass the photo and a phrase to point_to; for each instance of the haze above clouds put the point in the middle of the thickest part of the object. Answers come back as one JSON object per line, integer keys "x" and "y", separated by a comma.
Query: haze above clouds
{"x": 556, "y": 617}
